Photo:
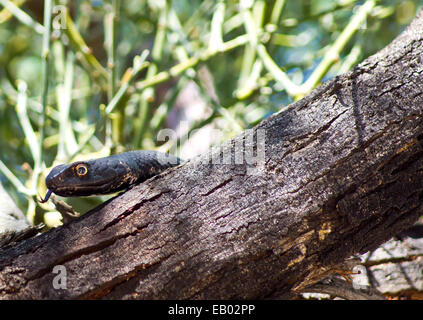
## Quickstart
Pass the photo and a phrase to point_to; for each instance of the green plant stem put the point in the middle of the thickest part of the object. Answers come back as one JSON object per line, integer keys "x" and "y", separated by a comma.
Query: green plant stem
{"x": 204, "y": 8}
{"x": 277, "y": 73}
{"x": 267, "y": 60}
{"x": 351, "y": 59}
{"x": 168, "y": 102}
{"x": 59, "y": 66}
{"x": 110, "y": 26}
{"x": 232, "y": 23}
{"x": 14, "y": 180}
{"x": 90, "y": 134}
{"x": 22, "y": 112}
{"x": 5, "y": 14}
{"x": 216, "y": 37}
{"x": 22, "y": 16}
{"x": 147, "y": 95}
{"x": 190, "y": 63}
{"x": 81, "y": 47}
{"x": 67, "y": 141}
{"x": 332, "y": 55}
{"x": 277, "y": 11}
{"x": 38, "y": 162}
{"x": 251, "y": 68}
{"x": 139, "y": 65}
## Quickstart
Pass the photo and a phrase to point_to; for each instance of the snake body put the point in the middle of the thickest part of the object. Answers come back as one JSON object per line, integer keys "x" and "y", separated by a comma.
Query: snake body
{"x": 107, "y": 175}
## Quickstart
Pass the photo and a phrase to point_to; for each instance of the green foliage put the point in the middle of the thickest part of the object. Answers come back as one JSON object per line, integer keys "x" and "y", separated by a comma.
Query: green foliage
{"x": 115, "y": 68}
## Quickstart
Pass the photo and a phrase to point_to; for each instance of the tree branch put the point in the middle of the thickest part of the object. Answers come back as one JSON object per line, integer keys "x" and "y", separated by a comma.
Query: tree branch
{"x": 341, "y": 173}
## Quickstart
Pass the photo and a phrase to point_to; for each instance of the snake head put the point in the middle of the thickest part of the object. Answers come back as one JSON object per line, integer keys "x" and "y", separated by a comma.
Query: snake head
{"x": 84, "y": 178}
{"x": 107, "y": 175}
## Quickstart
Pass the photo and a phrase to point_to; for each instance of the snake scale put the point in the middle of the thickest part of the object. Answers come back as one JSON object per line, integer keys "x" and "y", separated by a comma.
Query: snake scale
{"x": 107, "y": 175}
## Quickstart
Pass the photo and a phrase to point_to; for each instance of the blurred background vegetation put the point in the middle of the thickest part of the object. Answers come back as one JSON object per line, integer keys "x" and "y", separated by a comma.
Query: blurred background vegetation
{"x": 108, "y": 76}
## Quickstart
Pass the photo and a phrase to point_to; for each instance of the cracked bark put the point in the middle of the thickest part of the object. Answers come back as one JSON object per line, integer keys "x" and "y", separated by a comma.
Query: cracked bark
{"x": 342, "y": 173}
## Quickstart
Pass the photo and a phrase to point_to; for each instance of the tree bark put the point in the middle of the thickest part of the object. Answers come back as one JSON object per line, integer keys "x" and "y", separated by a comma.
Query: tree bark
{"x": 342, "y": 173}
{"x": 396, "y": 267}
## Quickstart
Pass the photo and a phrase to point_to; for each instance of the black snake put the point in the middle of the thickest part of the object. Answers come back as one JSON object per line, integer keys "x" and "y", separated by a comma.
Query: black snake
{"x": 107, "y": 175}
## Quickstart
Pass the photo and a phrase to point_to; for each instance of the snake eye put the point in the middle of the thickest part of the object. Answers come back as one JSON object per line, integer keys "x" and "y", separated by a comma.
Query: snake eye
{"x": 81, "y": 170}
